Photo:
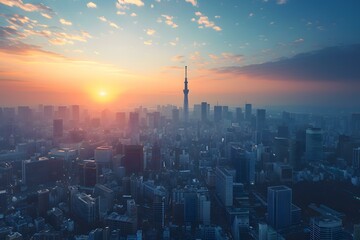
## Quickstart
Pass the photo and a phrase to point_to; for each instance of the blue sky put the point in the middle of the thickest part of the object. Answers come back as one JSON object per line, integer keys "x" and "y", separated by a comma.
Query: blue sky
{"x": 144, "y": 38}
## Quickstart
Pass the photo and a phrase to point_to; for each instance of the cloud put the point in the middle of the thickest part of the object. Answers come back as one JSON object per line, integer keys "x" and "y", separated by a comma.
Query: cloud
{"x": 65, "y": 22}
{"x": 102, "y": 18}
{"x": 45, "y": 15}
{"x": 175, "y": 42}
{"x": 120, "y": 13}
{"x": 148, "y": 42}
{"x": 336, "y": 64}
{"x": 133, "y": 14}
{"x": 91, "y": 5}
{"x": 28, "y": 7}
{"x": 121, "y": 4}
{"x": 168, "y": 20}
{"x": 300, "y": 40}
{"x": 281, "y": 2}
{"x": 193, "y": 2}
{"x": 150, "y": 32}
{"x": 114, "y": 25}
{"x": 178, "y": 58}
{"x": 204, "y": 21}
{"x": 227, "y": 58}
{"x": 111, "y": 24}
{"x": 20, "y": 20}
{"x": 19, "y": 48}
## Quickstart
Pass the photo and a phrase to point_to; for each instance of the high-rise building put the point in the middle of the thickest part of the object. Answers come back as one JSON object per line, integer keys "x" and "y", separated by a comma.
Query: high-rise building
{"x": 103, "y": 155}
{"x": 42, "y": 170}
{"x": 356, "y": 158}
{"x": 326, "y": 227}
{"x": 3, "y": 201}
{"x": 204, "y": 209}
{"x": 156, "y": 162}
{"x": 158, "y": 208}
{"x": 90, "y": 173}
{"x": 134, "y": 159}
{"x": 62, "y": 113}
{"x": 134, "y": 121}
{"x": 204, "y": 111}
{"x": 218, "y": 113}
{"x": 43, "y": 201}
{"x": 279, "y": 201}
{"x": 355, "y": 125}
{"x": 224, "y": 186}
{"x": 190, "y": 207}
{"x": 175, "y": 115}
{"x": 24, "y": 113}
{"x": 6, "y": 171}
{"x": 314, "y": 144}
{"x": 260, "y": 119}
{"x": 120, "y": 119}
{"x": 239, "y": 116}
{"x": 85, "y": 207}
{"x": 248, "y": 112}
{"x": 281, "y": 149}
{"x": 356, "y": 231}
{"x": 75, "y": 113}
{"x": 186, "y": 98}
{"x": 48, "y": 112}
{"x": 58, "y": 128}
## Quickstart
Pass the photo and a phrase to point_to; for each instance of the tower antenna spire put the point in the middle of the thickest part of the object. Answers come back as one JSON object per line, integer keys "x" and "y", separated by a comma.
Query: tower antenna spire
{"x": 186, "y": 98}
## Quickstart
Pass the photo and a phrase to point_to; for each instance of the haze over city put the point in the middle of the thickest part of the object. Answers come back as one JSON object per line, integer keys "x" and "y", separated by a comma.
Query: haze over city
{"x": 132, "y": 52}
{"x": 179, "y": 119}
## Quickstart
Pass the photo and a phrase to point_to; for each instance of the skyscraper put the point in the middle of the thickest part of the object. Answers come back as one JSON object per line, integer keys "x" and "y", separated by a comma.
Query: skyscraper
{"x": 355, "y": 125}
{"x": 186, "y": 99}
{"x": 204, "y": 111}
{"x": 75, "y": 113}
{"x": 134, "y": 159}
{"x": 314, "y": 147}
{"x": 248, "y": 111}
{"x": 224, "y": 186}
{"x": 279, "y": 200}
{"x": 326, "y": 227}
{"x": 218, "y": 112}
{"x": 57, "y": 128}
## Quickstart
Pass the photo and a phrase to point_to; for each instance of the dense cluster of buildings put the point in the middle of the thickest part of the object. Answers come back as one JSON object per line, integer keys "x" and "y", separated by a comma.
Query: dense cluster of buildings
{"x": 178, "y": 173}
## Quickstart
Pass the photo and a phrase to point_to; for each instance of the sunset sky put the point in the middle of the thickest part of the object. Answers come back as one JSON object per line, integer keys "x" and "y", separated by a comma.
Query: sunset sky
{"x": 133, "y": 52}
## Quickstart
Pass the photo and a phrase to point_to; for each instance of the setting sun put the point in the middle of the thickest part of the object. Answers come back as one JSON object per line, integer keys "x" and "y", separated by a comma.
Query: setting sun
{"x": 102, "y": 93}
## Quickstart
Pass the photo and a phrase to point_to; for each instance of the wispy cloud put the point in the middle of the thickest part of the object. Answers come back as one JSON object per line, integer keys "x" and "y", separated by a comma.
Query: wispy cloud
{"x": 168, "y": 20}
{"x": 299, "y": 40}
{"x": 148, "y": 42}
{"x": 204, "y": 21}
{"x": 65, "y": 22}
{"x": 28, "y": 7}
{"x": 280, "y": 2}
{"x": 114, "y": 25}
{"x": 193, "y": 2}
{"x": 91, "y": 5}
{"x": 175, "y": 42}
{"x": 111, "y": 24}
{"x": 121, "y": 4}
{"x": 150, "y": 32}
{"x": 102, "y": 18}
{"x": 178, "y": 58}
{"x": 133, "y": 14}
{"x": 45, "y": 15}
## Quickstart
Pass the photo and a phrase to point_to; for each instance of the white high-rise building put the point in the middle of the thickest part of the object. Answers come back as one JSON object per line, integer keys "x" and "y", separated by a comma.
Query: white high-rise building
{"x": 224, "y": 186}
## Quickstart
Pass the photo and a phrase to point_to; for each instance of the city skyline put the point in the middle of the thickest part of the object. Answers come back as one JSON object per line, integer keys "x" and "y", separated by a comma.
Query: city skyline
{"x": 133, "y": 52}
